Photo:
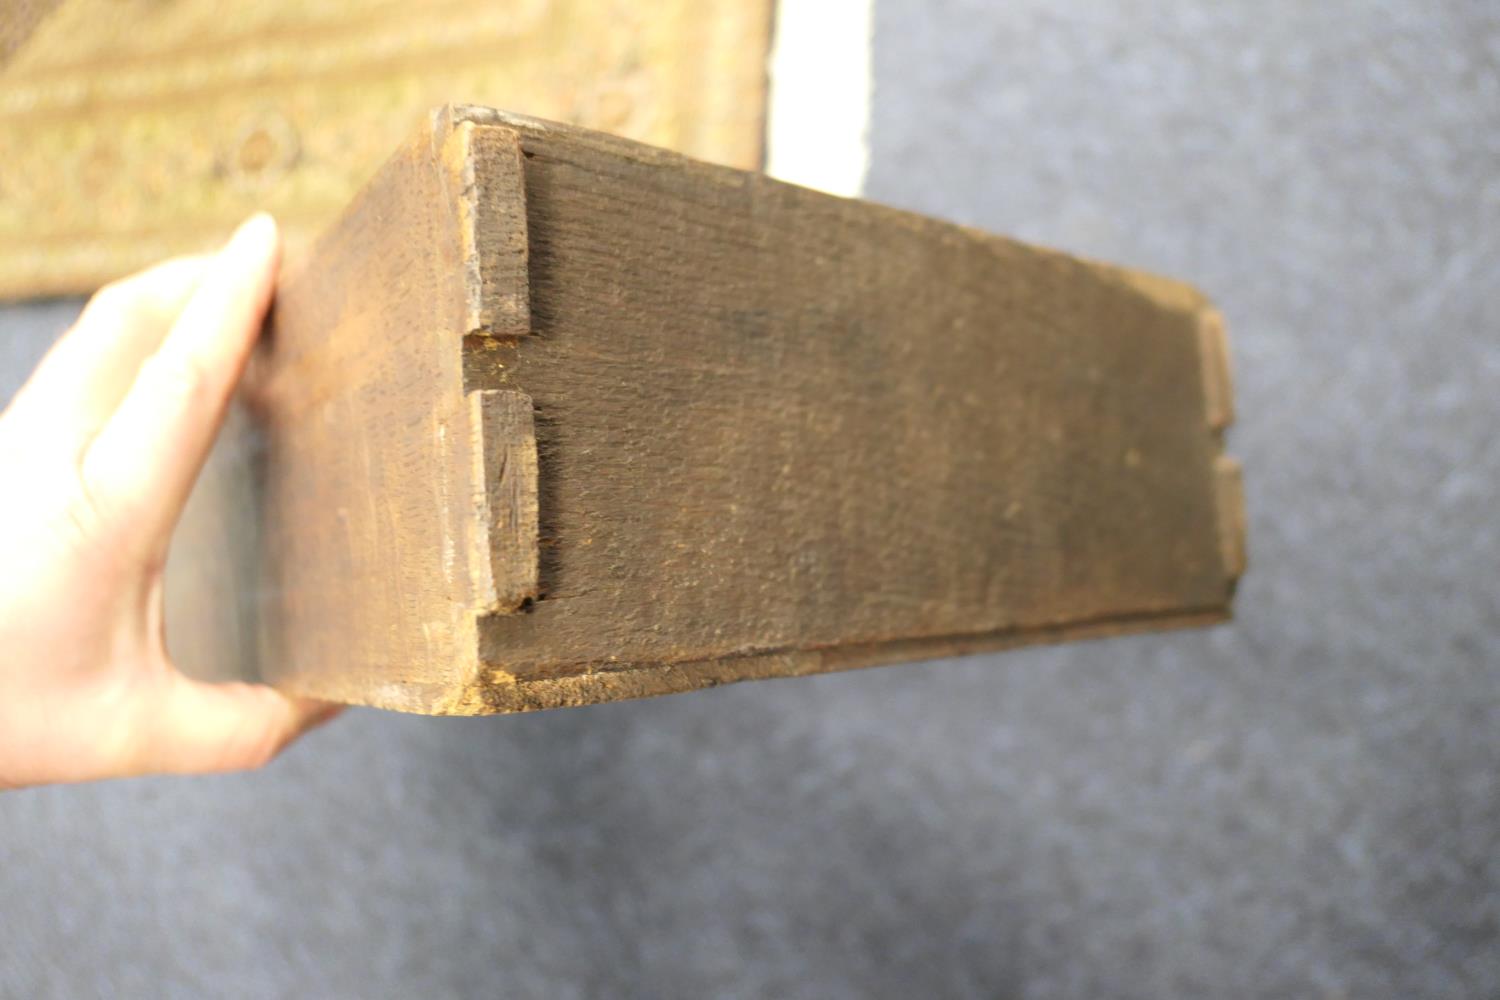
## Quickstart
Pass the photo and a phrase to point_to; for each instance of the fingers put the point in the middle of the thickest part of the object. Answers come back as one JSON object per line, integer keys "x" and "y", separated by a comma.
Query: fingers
{"x": 87, "y": 372}
{"x": 197, "y": 726}
{"x": 141, "y": 465}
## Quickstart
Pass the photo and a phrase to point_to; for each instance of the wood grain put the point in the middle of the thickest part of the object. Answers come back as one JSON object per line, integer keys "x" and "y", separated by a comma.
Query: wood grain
{"x": 775, "y": 432}
{"x": 505, "y": 477}
{"x": 131, "y": 130}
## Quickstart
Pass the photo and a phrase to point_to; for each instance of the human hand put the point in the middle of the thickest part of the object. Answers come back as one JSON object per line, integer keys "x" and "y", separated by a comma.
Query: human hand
{"x": 98, "y": 453}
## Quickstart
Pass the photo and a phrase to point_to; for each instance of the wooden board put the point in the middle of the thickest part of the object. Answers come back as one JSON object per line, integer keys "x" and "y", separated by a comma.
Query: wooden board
{"x": 551, "y": 417}
{"x": 131, "y": 130}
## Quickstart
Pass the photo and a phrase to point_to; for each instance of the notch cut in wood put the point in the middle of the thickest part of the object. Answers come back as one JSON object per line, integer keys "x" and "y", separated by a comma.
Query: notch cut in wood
{"x": 551, "y": 418}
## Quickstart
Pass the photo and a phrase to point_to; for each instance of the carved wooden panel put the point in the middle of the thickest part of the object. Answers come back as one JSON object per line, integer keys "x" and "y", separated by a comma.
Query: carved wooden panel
{"x": 131, "y": 130}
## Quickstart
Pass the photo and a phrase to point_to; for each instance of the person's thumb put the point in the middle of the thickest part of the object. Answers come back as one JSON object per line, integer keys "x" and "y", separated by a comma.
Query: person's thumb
{"x": 196, "y": 726}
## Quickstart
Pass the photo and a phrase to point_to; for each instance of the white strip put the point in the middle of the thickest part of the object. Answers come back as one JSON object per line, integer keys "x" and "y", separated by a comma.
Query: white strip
{"x": 818, "y": 119}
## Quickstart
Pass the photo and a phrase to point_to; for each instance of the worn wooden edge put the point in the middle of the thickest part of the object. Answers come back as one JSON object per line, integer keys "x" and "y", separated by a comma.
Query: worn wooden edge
{"x": 483, "y": 461}
{"x": 505, "y": 503}
{"x": 1218, "y": 408}
{"x": 494, "y": 250}
{"x": 499, "y": 692}
{"x": 1218, "y": 391}
{"x": 484, "y": 171}
{"x": 1218, "y": 403}
{"x": 612, "y": 145}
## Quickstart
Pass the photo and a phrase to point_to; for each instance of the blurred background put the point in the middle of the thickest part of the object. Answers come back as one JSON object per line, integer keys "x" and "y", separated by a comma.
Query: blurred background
{"x": 1305, "y": 802}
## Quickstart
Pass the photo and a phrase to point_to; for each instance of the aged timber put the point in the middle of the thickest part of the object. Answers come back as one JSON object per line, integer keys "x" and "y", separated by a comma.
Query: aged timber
{"x": 551, "y": 417}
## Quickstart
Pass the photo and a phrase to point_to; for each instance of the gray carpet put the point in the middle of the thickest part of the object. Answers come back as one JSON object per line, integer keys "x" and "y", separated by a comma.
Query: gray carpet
{"x": 1304, "y": 803}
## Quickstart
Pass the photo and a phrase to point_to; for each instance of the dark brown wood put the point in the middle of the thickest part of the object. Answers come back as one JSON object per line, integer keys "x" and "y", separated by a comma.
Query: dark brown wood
{"x": 504, "y": 447}
{"x": 552, "y": 418}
